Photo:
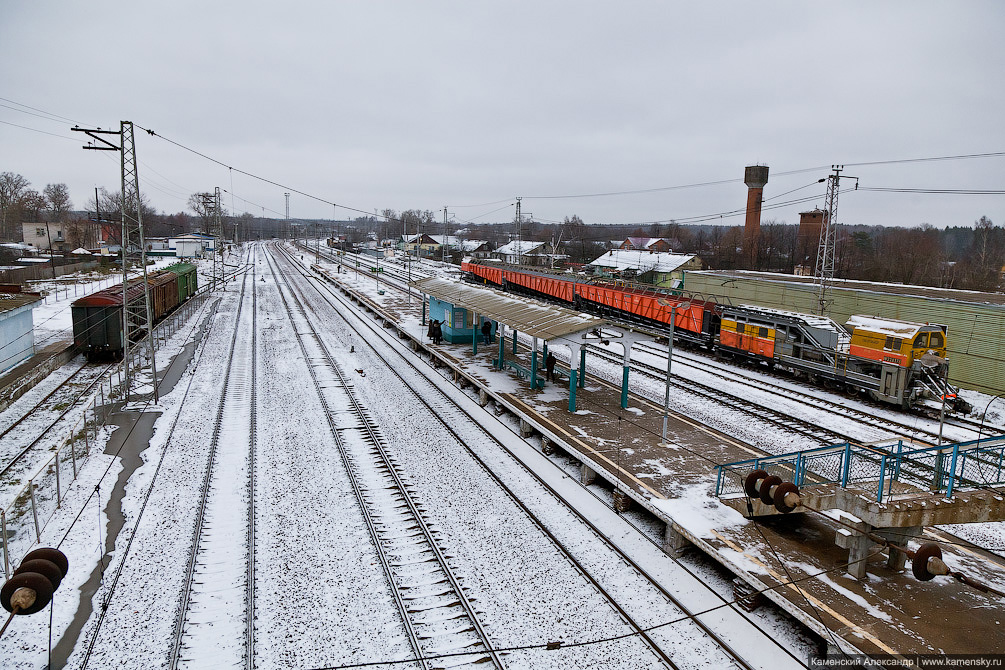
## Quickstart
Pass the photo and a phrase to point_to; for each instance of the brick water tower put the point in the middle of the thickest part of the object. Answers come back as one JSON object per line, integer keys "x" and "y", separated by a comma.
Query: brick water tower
{"x": 755, "y": 177}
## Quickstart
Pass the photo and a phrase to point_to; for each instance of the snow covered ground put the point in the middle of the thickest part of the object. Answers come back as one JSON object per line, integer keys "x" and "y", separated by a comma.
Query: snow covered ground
{"x": 320, "y": 597}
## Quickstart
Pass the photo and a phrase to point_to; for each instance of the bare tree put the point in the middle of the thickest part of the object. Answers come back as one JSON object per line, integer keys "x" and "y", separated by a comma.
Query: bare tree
{"x": 32, "y": 205}
{"x": 110, "y": 206}
{"x": 57, "y": 201}
{"x": 12, "y": 191}
{"x": 204, "y": 206}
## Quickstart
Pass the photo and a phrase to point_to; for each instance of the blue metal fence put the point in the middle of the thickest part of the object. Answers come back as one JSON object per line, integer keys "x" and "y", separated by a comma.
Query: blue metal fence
{"x": 974, "y": 464}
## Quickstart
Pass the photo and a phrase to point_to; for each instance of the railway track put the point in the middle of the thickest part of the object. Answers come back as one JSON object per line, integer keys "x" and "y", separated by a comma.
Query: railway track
{"x": 781, "y": 420}
{"x": 215, "y": 624}
{"x": 12, "y": 439}
{"x": 873, "y": 420}
{"x": 451, "y": 418}
{"x": 437, "y": 613}
{"x": 920, "y": 436}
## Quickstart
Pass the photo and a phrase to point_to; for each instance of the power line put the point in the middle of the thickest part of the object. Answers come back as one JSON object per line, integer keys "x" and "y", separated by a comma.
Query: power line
{"x": 36, "y": 130}
{"x": 54, "y": 116}
{"x": 938, "y": 191}
{"x": 992, "y": 154}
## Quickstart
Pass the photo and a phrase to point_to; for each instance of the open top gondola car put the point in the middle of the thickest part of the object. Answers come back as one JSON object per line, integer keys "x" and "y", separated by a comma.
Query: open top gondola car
{"x": 893, "y": 362}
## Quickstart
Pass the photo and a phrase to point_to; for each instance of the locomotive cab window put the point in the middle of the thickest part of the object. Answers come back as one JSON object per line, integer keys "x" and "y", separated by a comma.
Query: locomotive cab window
{"x": 762, "y": 332}
{"x": 936, "y": 342}
{"x": 893, "y": 343}
{"x": 921, "y": 341}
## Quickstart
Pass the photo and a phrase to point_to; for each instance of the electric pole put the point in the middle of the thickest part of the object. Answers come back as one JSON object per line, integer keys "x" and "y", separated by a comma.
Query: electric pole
{"x": 443, "y": 257}
{"x": 137, "y": 315}
{"x": 218, "y": 243}
{"x": 518, "y": 243}
{"x": 286, "y": 234}
{"x": 826, "y": 251}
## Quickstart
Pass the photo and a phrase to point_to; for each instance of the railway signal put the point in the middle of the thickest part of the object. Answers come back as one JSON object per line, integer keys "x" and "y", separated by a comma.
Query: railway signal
{"x": 31, "y": 587}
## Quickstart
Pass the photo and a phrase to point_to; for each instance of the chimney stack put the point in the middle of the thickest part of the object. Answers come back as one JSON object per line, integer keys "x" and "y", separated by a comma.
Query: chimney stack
{"x": 755, "y": 177}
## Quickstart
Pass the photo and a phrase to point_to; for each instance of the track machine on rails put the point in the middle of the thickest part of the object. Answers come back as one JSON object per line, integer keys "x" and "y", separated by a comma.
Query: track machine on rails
{"x": 891, "y": 361}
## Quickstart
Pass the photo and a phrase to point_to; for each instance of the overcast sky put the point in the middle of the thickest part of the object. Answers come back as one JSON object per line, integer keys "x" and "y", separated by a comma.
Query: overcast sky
{"x": 421, "y": 105}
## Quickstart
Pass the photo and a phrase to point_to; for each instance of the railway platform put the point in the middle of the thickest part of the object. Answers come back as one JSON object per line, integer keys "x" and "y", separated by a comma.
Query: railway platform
{"x": 793, "y": 560}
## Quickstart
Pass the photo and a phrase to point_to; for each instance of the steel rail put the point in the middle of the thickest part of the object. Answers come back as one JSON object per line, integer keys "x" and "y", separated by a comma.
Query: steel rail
{"x": 779, "y": 419}
{"x": 179, "y": 627}
{"x": 31, "y": 445}
{"x": 843, "y": 411}
{"x": 252, "y": 479}
{"x": 376, "y": 442}
{"x": 146, "y": 498}
{"x": 489, "y": 438}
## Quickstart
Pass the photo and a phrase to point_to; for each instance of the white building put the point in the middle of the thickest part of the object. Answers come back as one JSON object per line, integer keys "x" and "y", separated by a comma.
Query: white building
{"x": 45, "y": 236}
{"x": 527, "y": 252}
{"x": 192, "y": 245}
{"x": 17, "y": 341}
{"x": 662, "y": 269}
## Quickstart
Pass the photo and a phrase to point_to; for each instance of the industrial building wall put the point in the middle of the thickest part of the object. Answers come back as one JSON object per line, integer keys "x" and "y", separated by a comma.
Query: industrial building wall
{"x": 976, "y": 331}
{"x": 16, "y": 337}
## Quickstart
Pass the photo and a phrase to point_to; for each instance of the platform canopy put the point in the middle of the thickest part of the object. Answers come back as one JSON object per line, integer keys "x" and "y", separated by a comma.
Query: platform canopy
{"x": 546, "y": 322}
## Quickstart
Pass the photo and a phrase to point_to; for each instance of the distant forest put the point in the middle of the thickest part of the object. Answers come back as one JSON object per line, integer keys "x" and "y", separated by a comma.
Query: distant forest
{"x": 960, "y": 257}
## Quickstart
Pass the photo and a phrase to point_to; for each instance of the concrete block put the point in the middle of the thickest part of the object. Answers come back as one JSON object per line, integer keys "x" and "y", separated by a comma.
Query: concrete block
{"x": 587, "y": 475}
{"x": 674, "y": 542}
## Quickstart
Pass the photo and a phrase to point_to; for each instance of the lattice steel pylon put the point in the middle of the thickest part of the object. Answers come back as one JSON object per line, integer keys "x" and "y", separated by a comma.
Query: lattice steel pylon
{"x": 137, "y": 316}
{"x": 826, "y": 251}
{"x": 217, "y": 241}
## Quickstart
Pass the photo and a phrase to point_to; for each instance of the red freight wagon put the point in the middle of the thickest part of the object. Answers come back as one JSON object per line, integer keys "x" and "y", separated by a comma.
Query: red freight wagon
{"x": 544, "y": 284}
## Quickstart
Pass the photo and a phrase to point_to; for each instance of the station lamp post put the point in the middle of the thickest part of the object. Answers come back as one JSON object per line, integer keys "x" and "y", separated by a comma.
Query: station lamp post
{"x": 673, "y": 322}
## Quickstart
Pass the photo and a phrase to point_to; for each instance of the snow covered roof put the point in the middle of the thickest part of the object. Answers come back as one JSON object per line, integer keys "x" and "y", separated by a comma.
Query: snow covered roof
{"x": 885, "y": 326}
{"x": 11, "y": 301}
{"x": 641, "y": 260}
{"x": 519, "y": 247}
{"x": 812, "y": 320}
{"x": 192, "y": 236}
{"x": 82, "y": 251}
{"x": 643, "y": 242}
{"x": 547, "y": 322}
{"x": 471, "y": 245}
{"x": 451, "y": 240}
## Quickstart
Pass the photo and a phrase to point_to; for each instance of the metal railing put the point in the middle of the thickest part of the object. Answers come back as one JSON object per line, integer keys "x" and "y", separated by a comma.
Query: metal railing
{"x": 971, "y": 465}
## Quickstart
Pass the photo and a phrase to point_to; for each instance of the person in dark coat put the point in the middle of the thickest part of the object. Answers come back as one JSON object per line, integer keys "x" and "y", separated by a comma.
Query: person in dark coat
{"x": 429, "y": 329}
{"x": 437, "y": 332}
{"x": 487, "y": 332}
{"x": 549, "y": 366}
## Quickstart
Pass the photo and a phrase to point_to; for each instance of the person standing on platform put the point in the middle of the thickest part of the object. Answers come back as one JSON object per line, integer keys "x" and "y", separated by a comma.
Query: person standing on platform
{"x": 437, "y": 332}
{"x": 429, "y": 329}
{"x": 487, "y": 332}
{"x": 549, "y": 367}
